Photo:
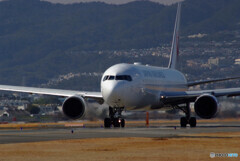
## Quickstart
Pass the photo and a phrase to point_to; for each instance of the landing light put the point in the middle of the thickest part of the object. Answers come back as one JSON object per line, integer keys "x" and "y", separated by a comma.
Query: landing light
{"x": 137, "y": 63}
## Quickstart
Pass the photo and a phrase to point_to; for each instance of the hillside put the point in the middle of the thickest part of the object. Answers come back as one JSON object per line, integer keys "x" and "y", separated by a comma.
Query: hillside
{"x": 40, "y": 40}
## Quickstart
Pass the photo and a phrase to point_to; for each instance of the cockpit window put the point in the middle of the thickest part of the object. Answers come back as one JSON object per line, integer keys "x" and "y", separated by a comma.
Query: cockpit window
{"x": 118, "y": 77}
{"x": 105, "y": 78}
{"x": 124, "y": 77}
{"x": 111, "y": 77}
{"x": 108, "y": 77}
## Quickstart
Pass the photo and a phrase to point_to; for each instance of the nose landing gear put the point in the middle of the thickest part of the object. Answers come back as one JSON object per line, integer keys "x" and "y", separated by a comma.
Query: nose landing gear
{"x": 115, "y": 118}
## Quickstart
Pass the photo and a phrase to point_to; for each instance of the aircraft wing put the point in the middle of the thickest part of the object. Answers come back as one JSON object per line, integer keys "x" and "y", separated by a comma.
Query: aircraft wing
{"x": 53, "y": 92}
{"x": 229, "y": 92}
{"x": 210, "y": 81}
{"x": 190, "y": 96}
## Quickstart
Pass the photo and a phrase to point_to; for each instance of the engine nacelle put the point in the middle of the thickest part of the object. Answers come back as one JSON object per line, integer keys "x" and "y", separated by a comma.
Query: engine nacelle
{"x": 206, "y": 106}
{"x": 74, "y": 107}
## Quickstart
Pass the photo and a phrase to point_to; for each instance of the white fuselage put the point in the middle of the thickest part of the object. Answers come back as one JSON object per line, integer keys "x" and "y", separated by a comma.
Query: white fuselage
{"x": 138, "y": 87}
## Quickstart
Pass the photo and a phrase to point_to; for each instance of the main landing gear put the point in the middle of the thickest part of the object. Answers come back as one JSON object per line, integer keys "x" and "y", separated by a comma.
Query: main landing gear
{"x": 187, "y": 120}
{"x": 115, "y": 118}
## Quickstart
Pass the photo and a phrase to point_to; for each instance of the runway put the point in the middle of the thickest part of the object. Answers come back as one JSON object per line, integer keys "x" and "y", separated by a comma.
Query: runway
{"x": 164, "y": 131}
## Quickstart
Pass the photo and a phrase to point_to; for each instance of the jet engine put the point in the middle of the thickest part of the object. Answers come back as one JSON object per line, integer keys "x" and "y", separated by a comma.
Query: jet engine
{"x": 206, "y": 106}
{"x": 74, "y": 107}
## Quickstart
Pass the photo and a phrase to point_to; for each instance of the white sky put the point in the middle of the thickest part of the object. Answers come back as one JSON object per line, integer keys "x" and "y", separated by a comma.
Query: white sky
{"x": 166, "y": 2}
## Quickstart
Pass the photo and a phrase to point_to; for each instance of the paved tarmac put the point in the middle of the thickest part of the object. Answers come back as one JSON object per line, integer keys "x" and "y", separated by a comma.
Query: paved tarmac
{"x": 46, "y": 134}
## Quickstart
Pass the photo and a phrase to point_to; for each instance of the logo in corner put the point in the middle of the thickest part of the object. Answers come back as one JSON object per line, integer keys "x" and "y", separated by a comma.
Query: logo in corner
{"x": 212, "y": 155}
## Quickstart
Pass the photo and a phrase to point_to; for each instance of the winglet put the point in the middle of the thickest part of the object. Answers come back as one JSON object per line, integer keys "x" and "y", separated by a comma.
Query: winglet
{"x": 175, "y": 41}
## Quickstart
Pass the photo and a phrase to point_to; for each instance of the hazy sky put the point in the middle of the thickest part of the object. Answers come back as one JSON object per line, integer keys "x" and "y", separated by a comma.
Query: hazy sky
{"x": 111, "y": 1}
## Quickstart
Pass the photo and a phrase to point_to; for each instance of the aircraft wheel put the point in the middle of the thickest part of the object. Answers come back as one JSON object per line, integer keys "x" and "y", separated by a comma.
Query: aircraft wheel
{"x": 107, "y": 122}
{"x": 116, "y": 122}
{"x": 193, "y": 122}
{"x": 183, "y": 122}
{"x": 122, "y": 123}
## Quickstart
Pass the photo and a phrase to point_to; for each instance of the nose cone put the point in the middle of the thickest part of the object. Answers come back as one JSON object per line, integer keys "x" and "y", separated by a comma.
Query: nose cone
{"x": 113, "y": 93}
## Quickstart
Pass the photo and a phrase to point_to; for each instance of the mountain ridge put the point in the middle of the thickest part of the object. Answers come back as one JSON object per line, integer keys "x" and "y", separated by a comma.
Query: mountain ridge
{"x": 35, "y": 35}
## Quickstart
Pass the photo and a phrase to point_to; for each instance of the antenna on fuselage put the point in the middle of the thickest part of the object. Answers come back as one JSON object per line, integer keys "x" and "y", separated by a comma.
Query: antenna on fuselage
{"x": 175, "y": 41}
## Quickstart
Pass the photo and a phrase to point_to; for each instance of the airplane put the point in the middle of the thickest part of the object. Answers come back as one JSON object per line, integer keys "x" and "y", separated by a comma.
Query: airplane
{"x": 137, "y": 87}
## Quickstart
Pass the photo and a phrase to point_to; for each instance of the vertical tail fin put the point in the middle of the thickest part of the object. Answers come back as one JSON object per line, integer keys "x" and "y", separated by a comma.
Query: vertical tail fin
{"x": 175, "y": 41}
